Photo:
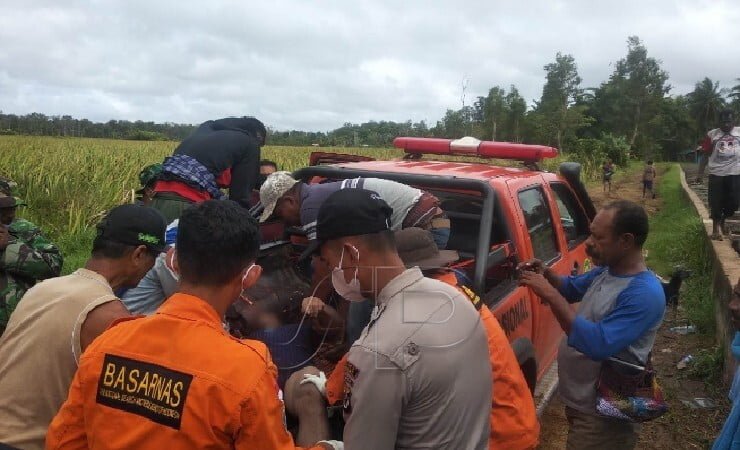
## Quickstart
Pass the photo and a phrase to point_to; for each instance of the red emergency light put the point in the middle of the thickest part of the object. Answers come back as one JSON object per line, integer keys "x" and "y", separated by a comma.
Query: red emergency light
{"x": 469, "y": 146}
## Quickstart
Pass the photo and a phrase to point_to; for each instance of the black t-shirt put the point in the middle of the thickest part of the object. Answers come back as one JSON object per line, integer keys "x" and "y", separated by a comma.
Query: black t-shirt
{"x": 226, "y": 144}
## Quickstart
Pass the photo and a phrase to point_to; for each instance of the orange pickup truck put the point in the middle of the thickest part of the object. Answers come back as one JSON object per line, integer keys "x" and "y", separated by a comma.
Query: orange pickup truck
{"x": 499, "y": 217}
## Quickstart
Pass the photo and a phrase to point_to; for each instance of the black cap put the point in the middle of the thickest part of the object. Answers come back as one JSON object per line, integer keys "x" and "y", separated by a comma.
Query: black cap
{"x": 350, "y": 212}
{"x": 134, "y": 225}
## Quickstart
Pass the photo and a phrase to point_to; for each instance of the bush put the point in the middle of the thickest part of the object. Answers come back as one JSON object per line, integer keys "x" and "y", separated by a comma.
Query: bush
{"x": 141, "y": 135}
{"x": 616, "y": 148}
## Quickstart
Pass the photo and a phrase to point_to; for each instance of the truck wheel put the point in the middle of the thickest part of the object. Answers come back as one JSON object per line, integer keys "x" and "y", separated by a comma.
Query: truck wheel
{"x": 524, "y": 351}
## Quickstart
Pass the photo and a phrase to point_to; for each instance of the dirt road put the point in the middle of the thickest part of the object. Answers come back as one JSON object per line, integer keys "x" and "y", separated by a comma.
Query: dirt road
{"x": 682, "y": 427}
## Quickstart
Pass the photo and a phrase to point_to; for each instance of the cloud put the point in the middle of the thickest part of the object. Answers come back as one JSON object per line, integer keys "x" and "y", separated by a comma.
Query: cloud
{"x": 316, "y": 65}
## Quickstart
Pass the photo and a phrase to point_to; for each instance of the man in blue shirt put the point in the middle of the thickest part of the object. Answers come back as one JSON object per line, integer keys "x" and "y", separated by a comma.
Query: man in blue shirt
{"x": 621, "y": 308}
{"x": 729, "y": 438}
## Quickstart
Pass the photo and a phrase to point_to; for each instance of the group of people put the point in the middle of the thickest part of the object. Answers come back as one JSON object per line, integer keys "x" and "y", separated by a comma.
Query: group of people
{"x": 134, "y": 349}
{"x": 649, "y": 174}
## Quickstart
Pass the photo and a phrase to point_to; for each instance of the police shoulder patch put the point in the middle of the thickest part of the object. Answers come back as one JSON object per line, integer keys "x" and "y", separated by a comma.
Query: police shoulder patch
{"x": 350, "y": 375}
{"x": 145, "y": 389}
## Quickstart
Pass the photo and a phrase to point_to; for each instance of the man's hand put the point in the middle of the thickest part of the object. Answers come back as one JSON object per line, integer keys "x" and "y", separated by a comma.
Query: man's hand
{"x": 317, "y": 380}
{"x": 312, "y": 306}
{"x": 533, "y": 265}
{"x": 4, "y": 237}
{"x": 549, "y": 294}
{"x": 539, "y": 284}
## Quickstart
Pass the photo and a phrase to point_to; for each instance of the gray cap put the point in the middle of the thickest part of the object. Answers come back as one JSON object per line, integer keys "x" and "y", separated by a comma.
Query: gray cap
{"x": 275, "y": 185}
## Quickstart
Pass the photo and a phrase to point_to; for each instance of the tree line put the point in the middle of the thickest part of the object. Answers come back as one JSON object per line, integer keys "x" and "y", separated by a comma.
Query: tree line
{"x": 631, "y": 113}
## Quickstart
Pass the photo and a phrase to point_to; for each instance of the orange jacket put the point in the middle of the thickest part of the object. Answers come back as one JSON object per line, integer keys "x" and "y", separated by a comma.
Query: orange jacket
{"x": 514, "y": 424}
{"x": 174, "y": 380}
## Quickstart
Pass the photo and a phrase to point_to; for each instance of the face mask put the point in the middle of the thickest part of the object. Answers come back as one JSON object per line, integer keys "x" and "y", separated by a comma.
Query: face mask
{"x": 349, "y": 291}
{"x": 242, "y": 296}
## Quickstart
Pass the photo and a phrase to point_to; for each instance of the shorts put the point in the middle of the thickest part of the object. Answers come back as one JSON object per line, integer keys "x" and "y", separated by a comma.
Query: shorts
{"x": 647, "y": 184}
{"x": 607, "y": 178}
{"x": 724, "y": 196}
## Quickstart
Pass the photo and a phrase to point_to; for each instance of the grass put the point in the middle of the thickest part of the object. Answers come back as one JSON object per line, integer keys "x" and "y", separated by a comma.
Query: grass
{"x": 677, "y": 237}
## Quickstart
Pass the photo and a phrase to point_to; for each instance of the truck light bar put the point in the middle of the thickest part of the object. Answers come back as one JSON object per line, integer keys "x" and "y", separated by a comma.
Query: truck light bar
{"x": 469, "y": 146}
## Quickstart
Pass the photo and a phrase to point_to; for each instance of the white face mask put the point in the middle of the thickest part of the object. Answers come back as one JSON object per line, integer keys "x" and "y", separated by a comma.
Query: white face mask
{"x": 242, "y": 296}
{"x": 349, "y": 291}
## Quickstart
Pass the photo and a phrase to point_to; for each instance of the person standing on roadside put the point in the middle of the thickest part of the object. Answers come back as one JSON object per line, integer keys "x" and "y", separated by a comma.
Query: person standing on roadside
{"x": 622, "y": 305}
{"x": 223, "y": 153}
{"x": 59, "y": 318}
{"x": 648, "y": 178}
{"x": 607, "y": 170}
{"x": 729, "y": 437}
{"x": 721, "y": 149}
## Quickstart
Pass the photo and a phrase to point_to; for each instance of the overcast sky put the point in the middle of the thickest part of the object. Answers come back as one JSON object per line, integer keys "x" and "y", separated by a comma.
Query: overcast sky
{"x": 315, "y": 65}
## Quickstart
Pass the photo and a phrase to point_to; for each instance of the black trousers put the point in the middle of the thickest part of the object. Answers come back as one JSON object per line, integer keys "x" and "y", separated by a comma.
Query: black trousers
{"x": 724, "y": 195}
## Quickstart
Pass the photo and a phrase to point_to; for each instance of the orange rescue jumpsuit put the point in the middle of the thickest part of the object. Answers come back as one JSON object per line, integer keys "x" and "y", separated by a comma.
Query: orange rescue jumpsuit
{"x": 174, "y": 380}
{"x": 514, "y": 424}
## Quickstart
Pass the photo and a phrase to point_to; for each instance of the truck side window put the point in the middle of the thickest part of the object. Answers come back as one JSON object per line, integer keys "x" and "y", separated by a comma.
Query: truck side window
{"x": 539, "y": 224}
{"x": 575, "y": 223}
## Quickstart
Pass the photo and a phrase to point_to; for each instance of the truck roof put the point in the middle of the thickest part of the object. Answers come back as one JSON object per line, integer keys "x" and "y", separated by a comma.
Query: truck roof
{"x": 477, "y": 171}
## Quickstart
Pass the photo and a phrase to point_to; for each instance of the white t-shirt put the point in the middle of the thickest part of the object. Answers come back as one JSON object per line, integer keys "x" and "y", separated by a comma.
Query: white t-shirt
{"x": 724, "y": 158}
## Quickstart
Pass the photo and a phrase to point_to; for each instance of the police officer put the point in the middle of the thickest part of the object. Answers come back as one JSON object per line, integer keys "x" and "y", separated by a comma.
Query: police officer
{"x": 26, "y": 255}
{"x": 419, "y": 375}
{"x": 177, "y": 379}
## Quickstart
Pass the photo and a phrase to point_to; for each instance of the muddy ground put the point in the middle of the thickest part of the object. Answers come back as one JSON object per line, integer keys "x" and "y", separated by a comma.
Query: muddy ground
{"x": 682, "y": 427}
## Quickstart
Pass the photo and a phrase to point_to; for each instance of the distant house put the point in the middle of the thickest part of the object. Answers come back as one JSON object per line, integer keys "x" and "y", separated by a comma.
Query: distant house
{"x": 314, "y": 145}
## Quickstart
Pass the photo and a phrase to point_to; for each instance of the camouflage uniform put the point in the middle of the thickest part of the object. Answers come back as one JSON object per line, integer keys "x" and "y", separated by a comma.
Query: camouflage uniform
{"x": 28, "y": 258}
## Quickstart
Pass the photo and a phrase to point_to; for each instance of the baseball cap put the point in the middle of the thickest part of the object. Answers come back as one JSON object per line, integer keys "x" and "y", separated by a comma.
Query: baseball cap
{"x": 147, "y": 175}
{"x": 134, "y": 225}
{"x": 416, "y": 247}
{"x": 350, "y": 212}
{"x": 275, "y": 185}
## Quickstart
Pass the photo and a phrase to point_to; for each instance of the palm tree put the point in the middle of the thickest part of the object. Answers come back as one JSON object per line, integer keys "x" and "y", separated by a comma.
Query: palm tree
{"x": 705, "y": 103}
{"x": 735, "y": 96}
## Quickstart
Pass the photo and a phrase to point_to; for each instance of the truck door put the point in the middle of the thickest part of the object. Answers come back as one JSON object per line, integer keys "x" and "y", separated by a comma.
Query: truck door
{"x": 542, "y": 240}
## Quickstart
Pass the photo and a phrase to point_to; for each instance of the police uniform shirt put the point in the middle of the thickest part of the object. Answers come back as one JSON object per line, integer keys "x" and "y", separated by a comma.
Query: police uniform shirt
{"x": 419, "y": 376}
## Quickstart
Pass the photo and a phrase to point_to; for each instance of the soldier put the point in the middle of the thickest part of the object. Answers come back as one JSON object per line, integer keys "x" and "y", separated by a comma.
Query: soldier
{"x": 26, "y": 255}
